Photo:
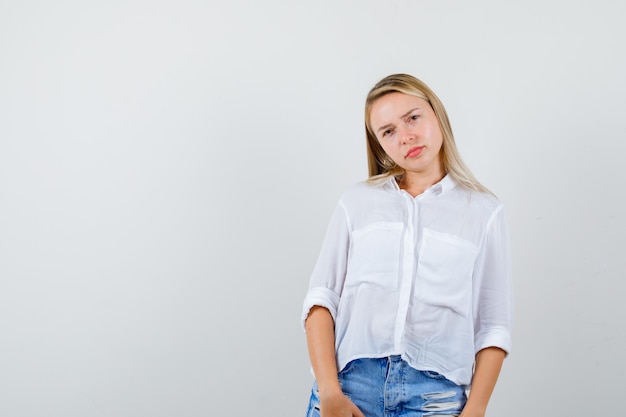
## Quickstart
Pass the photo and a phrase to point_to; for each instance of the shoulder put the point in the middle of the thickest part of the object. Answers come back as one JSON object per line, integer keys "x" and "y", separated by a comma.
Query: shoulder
{"x": 488, "y": 201}
{"x": 481, "y": 203}
{"x": 364, "y": 192}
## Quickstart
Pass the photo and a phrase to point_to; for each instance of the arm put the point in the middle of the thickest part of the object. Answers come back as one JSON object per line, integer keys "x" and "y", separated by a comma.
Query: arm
{"x": 320, "y": 334}
{"x": 493, "y": 314}
{"x": 488, "y": 364}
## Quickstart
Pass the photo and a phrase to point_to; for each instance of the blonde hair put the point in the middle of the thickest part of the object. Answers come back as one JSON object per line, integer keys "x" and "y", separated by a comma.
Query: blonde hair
{"x": 381, "y": 166}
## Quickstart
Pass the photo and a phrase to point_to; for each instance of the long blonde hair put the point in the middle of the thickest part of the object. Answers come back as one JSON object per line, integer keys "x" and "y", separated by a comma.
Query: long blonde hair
{"x": 381, "y": 166}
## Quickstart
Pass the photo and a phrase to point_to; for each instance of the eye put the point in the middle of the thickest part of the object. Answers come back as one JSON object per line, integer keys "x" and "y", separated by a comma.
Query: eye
{"x": 387, "y": 132}
{"x": 414, "y": 117}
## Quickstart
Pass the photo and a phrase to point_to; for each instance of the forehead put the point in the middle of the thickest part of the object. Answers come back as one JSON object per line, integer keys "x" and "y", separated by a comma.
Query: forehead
{"x": 394, "y": 105}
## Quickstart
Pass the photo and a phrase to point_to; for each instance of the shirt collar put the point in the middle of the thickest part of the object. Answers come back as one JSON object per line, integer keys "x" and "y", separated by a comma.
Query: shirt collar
{"x": 446, "y": 184}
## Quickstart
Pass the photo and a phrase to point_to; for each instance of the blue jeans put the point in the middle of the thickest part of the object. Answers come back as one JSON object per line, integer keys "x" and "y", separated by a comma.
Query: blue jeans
{"x": 389, "y": 387}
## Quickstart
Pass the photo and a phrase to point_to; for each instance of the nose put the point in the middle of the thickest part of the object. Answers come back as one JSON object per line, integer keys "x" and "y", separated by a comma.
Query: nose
{"x": 407, "y": 135}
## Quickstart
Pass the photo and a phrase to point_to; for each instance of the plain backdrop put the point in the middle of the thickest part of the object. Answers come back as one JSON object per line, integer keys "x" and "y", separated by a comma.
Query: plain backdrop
{"x": 168, "y": 168}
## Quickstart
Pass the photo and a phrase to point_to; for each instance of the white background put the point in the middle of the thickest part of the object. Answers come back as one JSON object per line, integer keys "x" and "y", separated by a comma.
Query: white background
{"x": 168, "y": 168}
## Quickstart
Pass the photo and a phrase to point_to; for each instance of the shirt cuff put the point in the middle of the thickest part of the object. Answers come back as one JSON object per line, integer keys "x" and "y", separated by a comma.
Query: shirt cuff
{"x": 495, "y": 337}
{"x": 319, "y": 296}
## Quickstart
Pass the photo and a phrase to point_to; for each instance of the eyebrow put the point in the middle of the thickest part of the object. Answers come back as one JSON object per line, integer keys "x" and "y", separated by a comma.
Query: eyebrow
{"x": 401, "y": 117}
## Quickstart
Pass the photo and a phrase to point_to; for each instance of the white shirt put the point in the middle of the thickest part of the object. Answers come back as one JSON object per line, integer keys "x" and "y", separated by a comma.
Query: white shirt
{"x": 427, "y": 278}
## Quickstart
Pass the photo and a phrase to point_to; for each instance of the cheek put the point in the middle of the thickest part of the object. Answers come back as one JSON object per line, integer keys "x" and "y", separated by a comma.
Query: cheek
{"x": 440, "y": 140}
{"x": 434, "y": 133}
{"x": 388, "y": 148}
{"x": 384, "y": 144}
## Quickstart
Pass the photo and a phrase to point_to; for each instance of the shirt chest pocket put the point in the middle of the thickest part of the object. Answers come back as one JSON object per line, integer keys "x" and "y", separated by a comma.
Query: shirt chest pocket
{"x": 374, "y": 258}
{"x": 444, "y": 271}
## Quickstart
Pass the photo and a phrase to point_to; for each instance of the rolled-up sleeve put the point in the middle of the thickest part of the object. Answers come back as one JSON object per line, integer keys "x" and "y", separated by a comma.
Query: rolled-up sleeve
{"x": 327, "y": 279}
{"x": 493, "y": 289}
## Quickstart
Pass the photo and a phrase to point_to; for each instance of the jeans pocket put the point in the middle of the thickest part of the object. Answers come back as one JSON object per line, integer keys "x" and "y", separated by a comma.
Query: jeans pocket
{"x": 433, "y": 375}
{"x": 348, "y": 368}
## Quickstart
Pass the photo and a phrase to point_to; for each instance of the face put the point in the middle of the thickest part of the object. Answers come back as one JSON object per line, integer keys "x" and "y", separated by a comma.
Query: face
{"x": 408, "y": 131}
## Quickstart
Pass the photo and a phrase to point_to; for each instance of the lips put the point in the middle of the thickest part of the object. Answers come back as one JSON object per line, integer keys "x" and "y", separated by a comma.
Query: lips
{"x": 414, "y": 152}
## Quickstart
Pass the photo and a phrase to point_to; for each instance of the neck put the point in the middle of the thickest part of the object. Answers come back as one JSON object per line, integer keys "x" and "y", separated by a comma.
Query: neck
{"x": 416, "y": 183}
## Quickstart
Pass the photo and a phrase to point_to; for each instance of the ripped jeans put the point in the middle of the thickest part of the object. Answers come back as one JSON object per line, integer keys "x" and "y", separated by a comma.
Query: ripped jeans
{"x": 389, "y": 387}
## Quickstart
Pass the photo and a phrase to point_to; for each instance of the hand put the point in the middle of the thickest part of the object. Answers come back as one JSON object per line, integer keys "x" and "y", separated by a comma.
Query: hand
{"x": 470, "y": 413}
{"x": 338, "y": 405}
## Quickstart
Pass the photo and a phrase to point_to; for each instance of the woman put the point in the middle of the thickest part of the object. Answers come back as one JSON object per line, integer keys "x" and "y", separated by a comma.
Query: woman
{"x": 410, "y": 302}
